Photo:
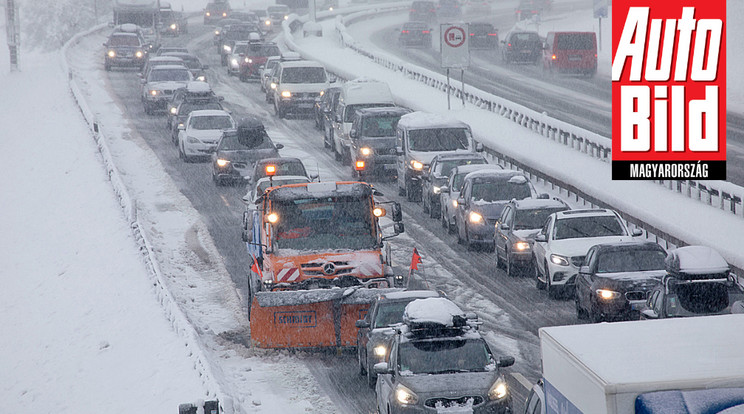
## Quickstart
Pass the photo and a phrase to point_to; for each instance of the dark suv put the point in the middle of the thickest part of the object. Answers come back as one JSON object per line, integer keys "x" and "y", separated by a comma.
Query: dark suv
{"x": 216, "y": 11}
{"x": 439, "y": 362}
{"x": 372, "y": 138}
{"x": 239, "y": 149}
{"x": 124, "y": 49}
{"x": 521, "y": 47}
{"x": 437, "y": 175}
{"x": 415, "y": 34}
{"x": 423, "y": 11}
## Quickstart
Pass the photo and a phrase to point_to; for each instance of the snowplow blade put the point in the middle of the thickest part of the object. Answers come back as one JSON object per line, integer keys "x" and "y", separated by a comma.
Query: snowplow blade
{"x": 309, "y": 318}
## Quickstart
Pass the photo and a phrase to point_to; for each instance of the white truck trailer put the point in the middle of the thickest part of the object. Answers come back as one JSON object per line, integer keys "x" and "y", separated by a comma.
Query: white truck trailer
{"x": 602, "y": 368}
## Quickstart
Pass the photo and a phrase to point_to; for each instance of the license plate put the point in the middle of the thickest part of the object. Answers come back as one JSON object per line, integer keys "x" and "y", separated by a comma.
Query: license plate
{"x": 390, "y": 166}
{"x": 637, "y": 305}
{"x": 574, "y": 58}
{"x": 305, "y": 105}
{"x": 525, "y": 52}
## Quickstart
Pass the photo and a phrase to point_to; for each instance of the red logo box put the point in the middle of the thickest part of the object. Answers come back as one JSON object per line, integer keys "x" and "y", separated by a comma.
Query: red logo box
{"x": 669, "y": 89}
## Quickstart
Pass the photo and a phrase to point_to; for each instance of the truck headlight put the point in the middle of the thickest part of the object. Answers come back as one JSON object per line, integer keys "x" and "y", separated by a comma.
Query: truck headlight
{"x": 475, "y": 218}
{"x": 173, "y": 26}
{"x": 222, "y": 162}
{"x": 111, "y": 53}
{"x": 498, "y": 389}
{"x": 521, "y": 246}
{"x": 607, "y": 294}
{"x": 405, "y": 396}
{"x": 380, "y": 350}
{"x": 559, "y": 260}
{"x": 436, "y": 190}
{"x": 154, "y": 92}
{"x": 227, "y": 48}
{"x": 417, "y": 165}
{"x": 365, "y": 151}
{"x": 286, "y": 94}
{"x": 139, "y": 54}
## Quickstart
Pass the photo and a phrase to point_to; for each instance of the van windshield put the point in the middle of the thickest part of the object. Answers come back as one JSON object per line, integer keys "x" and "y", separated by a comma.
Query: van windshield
{"x": 575, "y": 41}
{"x": 304, "y": 75}
{"x": 438, "y": 139}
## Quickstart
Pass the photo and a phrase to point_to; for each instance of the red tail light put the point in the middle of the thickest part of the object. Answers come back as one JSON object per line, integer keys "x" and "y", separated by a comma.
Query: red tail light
{"x": 404, "y": 31}
{"x": 472, "y": 34}
{"x": 494, "y": 34}
{"x": 413, "y": 10}
{"x": 553, "y": 57}
{"x": 508, "y": 44}
{"x": 359, "y": 165}
{"x": 425, "y": 31}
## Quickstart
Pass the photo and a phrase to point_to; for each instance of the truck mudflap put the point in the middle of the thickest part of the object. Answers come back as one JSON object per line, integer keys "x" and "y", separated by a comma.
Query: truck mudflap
{"x": 310, "y": 318}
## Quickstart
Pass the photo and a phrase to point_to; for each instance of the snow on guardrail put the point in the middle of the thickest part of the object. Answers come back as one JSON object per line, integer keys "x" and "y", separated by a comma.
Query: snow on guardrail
{"x": 719, "y": 194}
{"x": 173, "y": 312}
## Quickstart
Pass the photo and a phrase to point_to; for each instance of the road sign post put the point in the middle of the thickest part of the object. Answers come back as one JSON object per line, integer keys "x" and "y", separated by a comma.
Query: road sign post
{"x": 12, "y": 22}
{"x": 600, "y": 11}
{"x": 454, "y": 48}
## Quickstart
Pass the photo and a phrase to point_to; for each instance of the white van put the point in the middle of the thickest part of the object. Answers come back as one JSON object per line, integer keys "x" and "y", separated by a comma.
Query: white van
{"x": 420, "y": 136}
{"x": 298, "y": 83}
{"x": 357, "y": 94}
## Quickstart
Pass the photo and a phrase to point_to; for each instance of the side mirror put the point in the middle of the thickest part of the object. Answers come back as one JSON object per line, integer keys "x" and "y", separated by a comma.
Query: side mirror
{"x": 105, "y": 45}
{"x": 382, "y": 368}
{"x": 479, "y": 147}
{"x": 279, "y": 146}
{"x": 399, "y": 150}
{"x": 505, "y": 361}
{"x": 504, "y": 227}
{"x": 143, "y": 81}
{"x": 262, "y": 67}
{"x": 205, "y": 67}
{"x": 584, "y": 270}
{"x": 314, "y": 176}
{"x": 541, "y": 238}
{"x": 181, "y": 127}
{"x": 248, "y": 197}
{"x": 444, "y": 189}
{"x": 361, "y": 323}
{"x": 397, "y": 215}
{"x": 461, "y": 201}
{"x": 649, "y": 314}
{"x": 399, "y": 227}
{"x": 332, "y": 79}
{"x": 353, "y": 133}
{"x": 543, "y": 196}
{"x": 337, "y": 118}
{"x": 636, "y": 232}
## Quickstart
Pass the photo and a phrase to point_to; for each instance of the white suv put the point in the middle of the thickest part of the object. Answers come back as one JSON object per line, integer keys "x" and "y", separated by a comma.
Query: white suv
{"x": 562, "y": 243}
{"x": 298, "y": 83}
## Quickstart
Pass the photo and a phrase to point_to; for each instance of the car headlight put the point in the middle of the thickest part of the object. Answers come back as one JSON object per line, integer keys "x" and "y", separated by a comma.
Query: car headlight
{"x": 559, "y": 260}
{"x": 405, "y": 396}
{"x": 607, "y": 294}
{"x": 248, "y": 60}
{"x": 417, "y": 165}
{"x": 267, "y": 22}
{"x": 380, "y": 350}
{"x": 273, "y": 85}
{"x": 201, "y": 78}
{"x": 180, "y": 124}
{"x": 154, "y": 92}
{"x": 286, "y": 94}
{"x": 208, "y": 14}
{"x": 139, "y": 54}
{"x": 222, "y": 162}
{"x": 111, "y": 53}
{"x": 321, "y": 93}
{"x": 286, "y": 17}
{"x": 216, "y": 32}
{"x": 227, "y": 48}
{"x": 498, "y": 389}
{"x": 192, "y": 140}
{"x": 173, "y": 110}
{"x": 436, "y": 190}
{"x": 475, "y": 218}
{"x": 234, "y": 62}
{"x": 365, "y": 151}
{"x": 454, "y": 203}
{"x": 521, "y": 246}
{"x": 173, "y": 26}
{"x": 224, "y": 14}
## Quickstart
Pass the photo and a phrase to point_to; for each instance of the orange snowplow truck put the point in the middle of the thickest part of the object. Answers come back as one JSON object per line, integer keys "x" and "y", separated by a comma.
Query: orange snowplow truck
{"x": 318, "y": 262}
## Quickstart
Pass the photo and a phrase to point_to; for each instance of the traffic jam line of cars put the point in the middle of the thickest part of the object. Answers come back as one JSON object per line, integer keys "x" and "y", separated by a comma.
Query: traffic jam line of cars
{"x": 416, "y": 348}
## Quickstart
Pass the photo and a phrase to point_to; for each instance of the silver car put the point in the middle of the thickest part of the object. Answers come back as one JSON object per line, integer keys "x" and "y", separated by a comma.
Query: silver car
{"x": 438, "y": 361}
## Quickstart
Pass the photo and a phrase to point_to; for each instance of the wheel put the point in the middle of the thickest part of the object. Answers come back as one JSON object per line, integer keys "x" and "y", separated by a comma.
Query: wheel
{"x": 426, "y": 208}
{"x": 451, "y": 228}
{"x": 362, "y": 371}
{"x": 434, "y": 212}
{"x": 470, "y": 246}
{"x": 442, "y": 215}
{"x": 410, "y": 196}
{"x": 580, "y": 312}
{"x": 509, "y": 266}
{"x": 595, "y": 315}
{"x": 552, "y": 291}
{"x": 371, "y": 379}
{"x": 499, "y": 262}
{"x": 218, "y": 181}
{"x": 279, "y": 112}
{"x": 148, "y": 109}
{"x": 539, "y": 284}
{"x": 107, "y": 66}
{"x": 460, "y": 240}
{"x": 181, "y": 154}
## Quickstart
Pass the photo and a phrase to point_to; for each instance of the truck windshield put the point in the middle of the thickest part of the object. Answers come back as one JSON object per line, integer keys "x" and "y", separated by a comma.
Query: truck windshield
{"x": 438, "y": 139}
{"x": 444, "y": 356}
{"x": 327, "y": 223}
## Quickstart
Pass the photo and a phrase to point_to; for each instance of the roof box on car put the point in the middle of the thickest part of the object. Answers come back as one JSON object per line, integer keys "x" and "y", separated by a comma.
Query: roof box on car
{"x": 696, "y": 262}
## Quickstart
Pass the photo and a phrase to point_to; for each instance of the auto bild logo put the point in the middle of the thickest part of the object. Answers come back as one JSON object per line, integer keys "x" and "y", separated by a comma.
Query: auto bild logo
{"x": 669, "y": 89}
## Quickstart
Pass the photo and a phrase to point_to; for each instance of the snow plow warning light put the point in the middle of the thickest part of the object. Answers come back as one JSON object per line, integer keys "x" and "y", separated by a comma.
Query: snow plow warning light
{"x": 359, "y": 165}
{"x": 272, "y": 218}
{"x": 379, "y": 212}
{"x": 270, "y": 170}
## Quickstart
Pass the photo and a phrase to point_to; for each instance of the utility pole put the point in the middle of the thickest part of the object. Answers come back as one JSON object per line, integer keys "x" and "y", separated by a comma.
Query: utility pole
{"x": 12, "y": 21}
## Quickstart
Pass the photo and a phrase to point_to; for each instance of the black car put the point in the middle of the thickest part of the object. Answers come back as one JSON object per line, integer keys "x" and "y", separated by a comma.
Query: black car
{"x": 279, "y": 166}
{"x": 373, "y": 337}
{"x": 423, "y": 11}
{"x": 124, "y": 49}
{"x": 616, "y": 279}
{"x": 483, "y": 36}
{"x": 220, "y": 29}
{"x": 698, "y": 282}
{"x": 524, "y": 47}
{"x": 415, "y": 34}
{"x": 323, "y": 105}
{"x": 448, "y": 10}
{"x": 515, "y": 232}
{"x": 372, "y": 141}
{"x": 239, "y": 149}
{"x": 216, "y": 11}
{"x": 437, "y": 175}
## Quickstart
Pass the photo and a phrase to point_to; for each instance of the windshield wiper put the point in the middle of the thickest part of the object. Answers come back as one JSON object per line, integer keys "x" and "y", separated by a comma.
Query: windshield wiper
{"x": 449, "y": 371}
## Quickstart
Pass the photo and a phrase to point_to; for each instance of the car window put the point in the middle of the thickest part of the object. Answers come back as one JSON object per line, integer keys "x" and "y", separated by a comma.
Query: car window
{"x": 444, "y": 356}
{"x": 630, "y": 261}
{"x": 574, "y": 41}
{"x": 590, "y": 226}
{"x": 438, "y": 139}
{"x": 211, "y": 122}
{"x": 389, "y": 313}
{"x": 590, "y": 258}
{"x": 303, "y": 75}
{"x": 124, "y": 41}
{"x": 546, "y": 228}
{"x": 457, "y": 181}
{"x": 500, "y": 190}
{"x": 379, "y": 126}
{"x": 533, "y": 218}
{"x": 169, "y": 76}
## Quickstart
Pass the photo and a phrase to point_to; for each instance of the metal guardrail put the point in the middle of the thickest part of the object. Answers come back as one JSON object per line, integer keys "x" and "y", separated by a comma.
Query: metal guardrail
{"x": 722, "y": 195}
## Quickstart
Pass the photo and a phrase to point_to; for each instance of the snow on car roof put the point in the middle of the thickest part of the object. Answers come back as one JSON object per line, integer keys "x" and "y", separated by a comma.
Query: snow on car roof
{"x": 535, "y": 203}
{"x": 496, "y": 173}
{"x": 367, "y": 90}
{"x": 278, "y": 178}
{"x": 198, "y": 87}
{"x": 208, "y": 112}
{"x": 408, "y": 294}
{"x": 696, "y": 260}
{"x": 301, "y": 64}
{"x": 469, "y": 168}
{"x": 420, "y": 120}
{"x": 585, "y": 212}
{"x": 436, "y": 310}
